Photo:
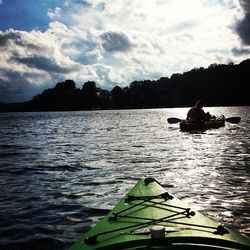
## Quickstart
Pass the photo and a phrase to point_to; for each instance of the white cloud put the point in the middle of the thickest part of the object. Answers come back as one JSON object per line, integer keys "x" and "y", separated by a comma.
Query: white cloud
{"x": 56, "y": 13}
{"x": 167, "y": 36}
{"x": 31, "y": 60}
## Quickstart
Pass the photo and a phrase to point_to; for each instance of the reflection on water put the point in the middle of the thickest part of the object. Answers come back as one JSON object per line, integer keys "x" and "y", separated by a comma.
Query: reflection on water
{"x": 60, "y": 171}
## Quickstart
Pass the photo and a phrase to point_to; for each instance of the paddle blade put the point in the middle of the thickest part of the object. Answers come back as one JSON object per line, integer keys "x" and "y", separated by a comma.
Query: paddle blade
{"x": 173, "y": 120}
{"x": 234, "y": 120}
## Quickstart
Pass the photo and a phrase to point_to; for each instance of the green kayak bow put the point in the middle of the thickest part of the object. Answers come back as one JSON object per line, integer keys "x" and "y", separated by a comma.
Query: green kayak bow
{"x": 151, "y": 218}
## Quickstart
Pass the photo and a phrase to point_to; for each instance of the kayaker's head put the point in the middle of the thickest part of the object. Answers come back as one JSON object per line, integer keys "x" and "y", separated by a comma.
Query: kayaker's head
{"x": 199, "y": 104}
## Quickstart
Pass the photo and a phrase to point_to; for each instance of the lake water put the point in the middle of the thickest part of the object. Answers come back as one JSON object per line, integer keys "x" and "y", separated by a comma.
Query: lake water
{"x": 60, "y": 171}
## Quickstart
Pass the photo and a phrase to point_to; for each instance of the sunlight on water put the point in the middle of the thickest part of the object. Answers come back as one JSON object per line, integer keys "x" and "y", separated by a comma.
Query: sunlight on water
{"x": 60, "y": 171}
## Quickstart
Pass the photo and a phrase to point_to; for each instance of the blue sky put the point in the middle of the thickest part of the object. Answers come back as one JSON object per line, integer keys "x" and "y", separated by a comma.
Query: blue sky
{"x": 114, "y": 43}
{"x": 25, "y": 15}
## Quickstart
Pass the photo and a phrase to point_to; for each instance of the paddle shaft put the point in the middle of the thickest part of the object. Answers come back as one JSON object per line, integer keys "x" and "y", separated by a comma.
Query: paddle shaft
{"x": 234, "y": 120}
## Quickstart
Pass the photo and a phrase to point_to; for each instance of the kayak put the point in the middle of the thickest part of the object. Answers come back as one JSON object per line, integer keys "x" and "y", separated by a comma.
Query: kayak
{"x": 148, "y": 217}
{"x": 202, "y": 126}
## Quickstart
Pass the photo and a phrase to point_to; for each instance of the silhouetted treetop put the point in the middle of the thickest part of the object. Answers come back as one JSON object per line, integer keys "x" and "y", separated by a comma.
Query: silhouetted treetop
{"x": 68, "y": 85}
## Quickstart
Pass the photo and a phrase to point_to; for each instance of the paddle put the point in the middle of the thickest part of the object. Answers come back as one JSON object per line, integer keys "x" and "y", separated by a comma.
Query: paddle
{"x": 234, "y": 120}
{"x": 173, "y": 120}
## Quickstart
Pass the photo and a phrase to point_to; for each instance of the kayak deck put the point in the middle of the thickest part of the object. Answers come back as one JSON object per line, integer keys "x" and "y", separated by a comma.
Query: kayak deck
{"x": 202, "y": 126}
{"x": 148, "y": 204}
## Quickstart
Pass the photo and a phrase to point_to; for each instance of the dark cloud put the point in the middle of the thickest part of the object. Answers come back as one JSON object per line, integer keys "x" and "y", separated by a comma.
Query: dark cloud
{"x": 42, "y": 66}
{"x": 246, "y": 5}
{"x": 243, "y": 27}
{"x": 18, "y": 38}
{"x": 8, "y": 36}
{"x": 240, "y": 51}
{"x": 17, "y": 87}
{"x": 112, "y": 42}
{"x": 42, "y": 63}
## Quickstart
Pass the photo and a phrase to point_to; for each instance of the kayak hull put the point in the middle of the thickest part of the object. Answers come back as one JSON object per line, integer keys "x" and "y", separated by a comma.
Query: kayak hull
{"x": 202, "y": 126}
{"x": 147, "y": 204}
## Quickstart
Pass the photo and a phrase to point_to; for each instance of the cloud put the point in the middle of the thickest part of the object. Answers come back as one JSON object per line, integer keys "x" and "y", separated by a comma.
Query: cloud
{"x": 8, "y": 36}
{"x": 16, "y": 86}
{"x": 163, "y": 32}
{"x": 246, "y": 5}
{"x": 43, "y": 63}
{"x": 240, "y": 51}
{"x": 243, "y": 26}
{"x": 31, "y": 61}
{"x": 112, "y": 41}
{"x": 56, "y": 13}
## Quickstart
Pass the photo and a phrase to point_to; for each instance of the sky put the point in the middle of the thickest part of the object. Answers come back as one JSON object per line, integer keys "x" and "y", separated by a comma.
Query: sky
{"x": 114, "y": 43}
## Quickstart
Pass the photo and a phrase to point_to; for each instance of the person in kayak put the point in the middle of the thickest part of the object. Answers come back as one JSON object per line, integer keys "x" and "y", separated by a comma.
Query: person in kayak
{"x": 197, "y": 114}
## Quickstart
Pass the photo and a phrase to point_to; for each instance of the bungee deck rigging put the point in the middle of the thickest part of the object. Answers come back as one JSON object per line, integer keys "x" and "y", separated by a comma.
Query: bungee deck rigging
{"x": 128, "y": 225}
{"x": 149, "y": 221}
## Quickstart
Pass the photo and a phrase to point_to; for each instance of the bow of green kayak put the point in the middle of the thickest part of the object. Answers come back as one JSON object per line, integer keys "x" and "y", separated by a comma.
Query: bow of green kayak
{"x": 150, "y": 218}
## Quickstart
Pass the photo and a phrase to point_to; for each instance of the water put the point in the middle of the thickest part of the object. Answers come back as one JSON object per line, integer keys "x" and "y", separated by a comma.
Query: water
{"x": 60, "y": 171}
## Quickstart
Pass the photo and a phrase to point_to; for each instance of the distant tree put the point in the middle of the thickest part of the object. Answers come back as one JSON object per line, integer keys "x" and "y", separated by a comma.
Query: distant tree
{"x": 117, "y": 97}
{"x": 62, "y": 97}
{"x": 104, "y": 98}
{"x": 163, "y": 92}
{"x": 134, "y": 94}
{"x": 66, "y": 86}
{"x": 89, "y": 95}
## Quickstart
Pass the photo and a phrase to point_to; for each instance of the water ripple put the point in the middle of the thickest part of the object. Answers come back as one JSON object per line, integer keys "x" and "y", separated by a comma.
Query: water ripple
{"x": 62, "y": 171}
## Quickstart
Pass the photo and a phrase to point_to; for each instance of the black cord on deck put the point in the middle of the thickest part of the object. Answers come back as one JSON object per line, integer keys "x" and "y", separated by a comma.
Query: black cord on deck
{"x": 186, "y": 211}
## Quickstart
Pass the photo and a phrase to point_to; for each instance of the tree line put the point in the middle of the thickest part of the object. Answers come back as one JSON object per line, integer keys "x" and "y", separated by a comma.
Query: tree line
{"x": 217, "y": 85}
